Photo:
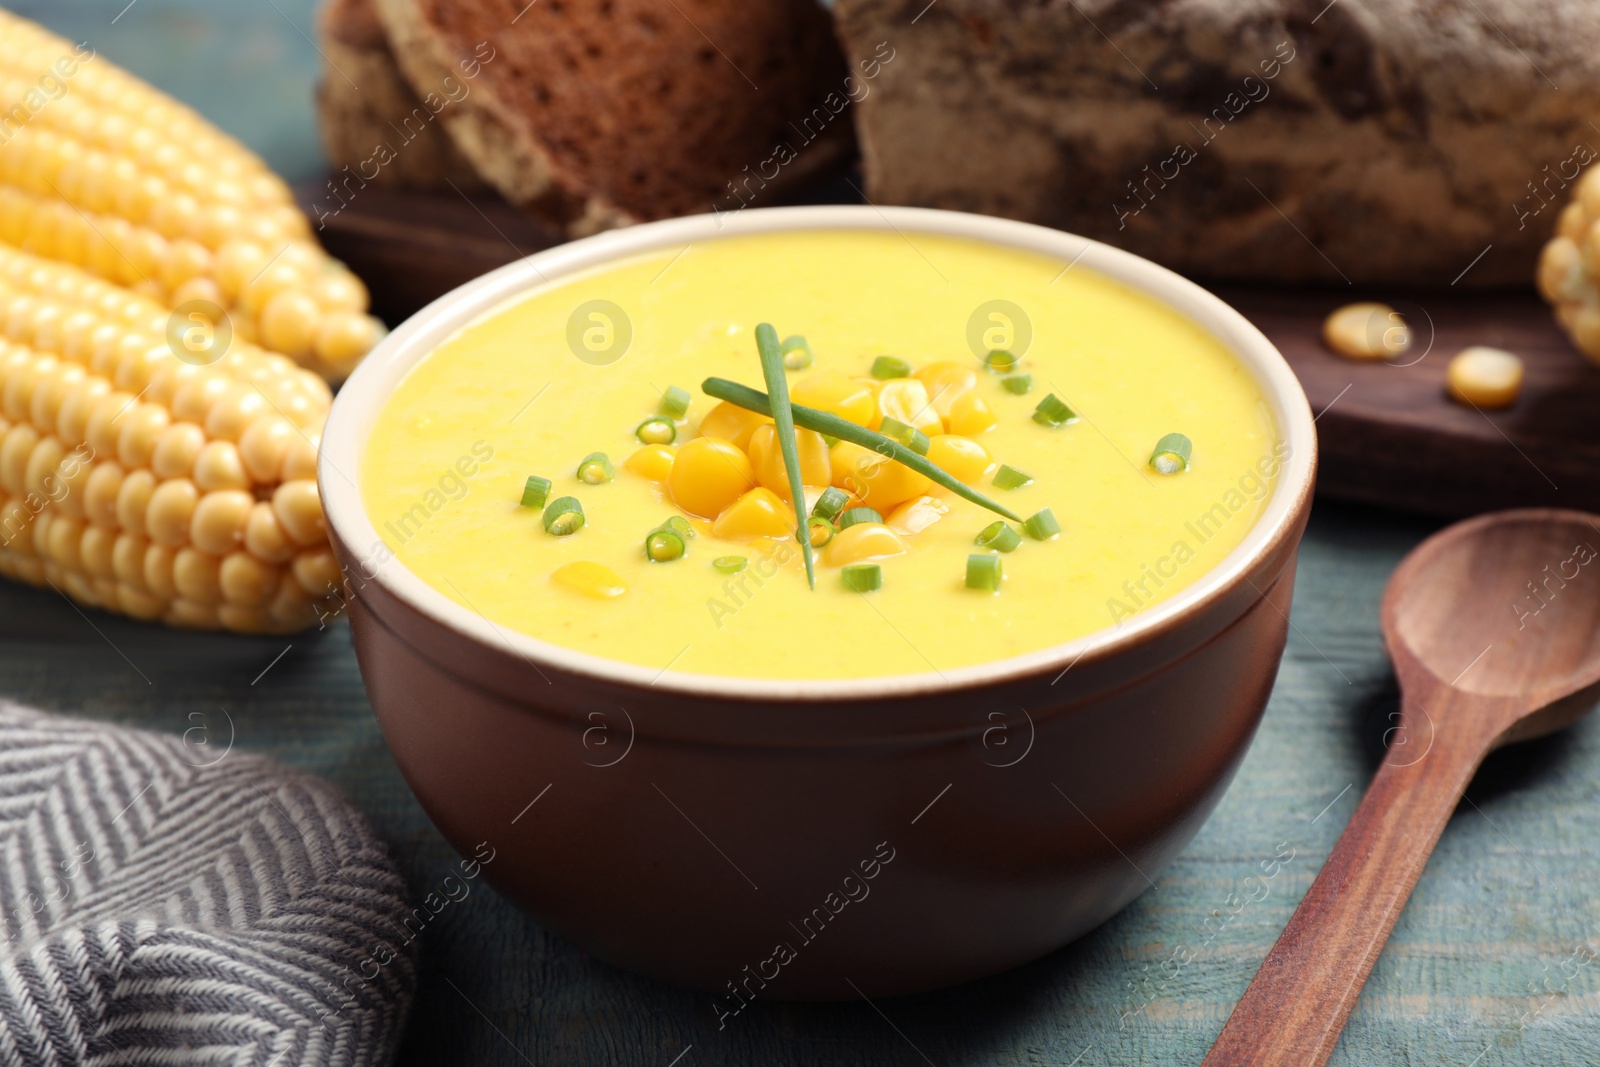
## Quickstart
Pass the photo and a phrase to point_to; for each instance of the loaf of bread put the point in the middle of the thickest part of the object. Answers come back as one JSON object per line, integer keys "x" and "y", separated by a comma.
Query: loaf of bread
{"x": 593, "y": 115}
{"x": 1343, "y": 141}
{"x": 373, "y": 125}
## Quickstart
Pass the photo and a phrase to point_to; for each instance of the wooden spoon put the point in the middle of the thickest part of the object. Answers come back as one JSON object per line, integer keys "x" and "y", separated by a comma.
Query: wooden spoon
{"x": 1494, "y": 628}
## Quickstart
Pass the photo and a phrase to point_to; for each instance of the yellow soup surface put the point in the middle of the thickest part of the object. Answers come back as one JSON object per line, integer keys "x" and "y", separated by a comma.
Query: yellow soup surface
{"x": 572, "y": 368}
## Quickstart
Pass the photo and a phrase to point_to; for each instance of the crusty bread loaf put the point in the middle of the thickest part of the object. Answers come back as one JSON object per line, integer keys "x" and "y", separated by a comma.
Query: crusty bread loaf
{"x": 365, "y": 106}
{"x": 600, "y": 114}
{"x": 1285, "y": 140}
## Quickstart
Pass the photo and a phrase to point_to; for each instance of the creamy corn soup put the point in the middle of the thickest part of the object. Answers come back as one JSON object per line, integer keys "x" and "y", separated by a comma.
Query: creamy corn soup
{"x": 1050, "y": 390}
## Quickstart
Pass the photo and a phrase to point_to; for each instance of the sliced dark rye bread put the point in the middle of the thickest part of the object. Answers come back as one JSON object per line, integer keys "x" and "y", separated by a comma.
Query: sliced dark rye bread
{"x": 365, "y": 106}
{"x": 600, "y": 114}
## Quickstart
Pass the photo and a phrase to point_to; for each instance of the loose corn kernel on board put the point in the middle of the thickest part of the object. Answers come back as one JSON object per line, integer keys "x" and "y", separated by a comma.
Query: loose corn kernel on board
{"x": 1393, "y": 438}
{"x": 1389, "y": 434}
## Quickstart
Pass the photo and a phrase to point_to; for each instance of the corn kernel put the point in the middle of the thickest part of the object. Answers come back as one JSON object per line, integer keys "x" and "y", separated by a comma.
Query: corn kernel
{"x": 907, "y": 400}
{"x": 732, "y": 423}
{"x": 133, "y": 501}
{"x": 971, "y": 415}
{"x": 141, "y": 428}
{"x": 709, "y": 474}
{"x": 219, "y": 520}
{"x": 277, "y": 277}
{"x": 299, "y": 459}
{"x": 863, "y": 541}
{"x": 219, "y": 466}
{"x": 1485, "y": 377}
{"x": 917, "y": 515}
{"x": 195, "y": 576}
{"x": 946, "y": 382}
{"x": 317, "y": 572}
{"x": 653, "y": 462}
{"x": 299, "y": 509}
{"x": 960, "y": 457}
{"x": 140, "y": 603}
{"x": 66, "y": 534}
{"x": 96, "y": 551}
{"x": 292, "y": 608}
{"x": 265, "y": 537}
{"x": 40, "y": 475}
{"x": 158, "y": 563}
{"x": 1561, "y": 276}
{"x": 171, "y": 507}
{"x": 339, "y": 291}
{"x": 188, "y": 615}
{"x": 875, "y": 481}
{"x": 1366, "y": 331}
{"x": 100, "y": 493}
{"x": 127, "y": 559}
{"x": 176, "y": 450}
{"x": 235, "y": 410}
{"x": 766, "y": 457}
{"x": 246, "y": 580}
{"x": 758, "y": 513}
{"x": 830, "y": 391}
{"x": 343, "y": 338}
{"x": 590, "y": 579}
{"x": 288, "y": 324}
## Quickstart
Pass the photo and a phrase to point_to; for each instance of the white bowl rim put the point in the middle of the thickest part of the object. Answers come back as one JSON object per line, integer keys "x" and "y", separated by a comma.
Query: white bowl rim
{"x": 363, "y": 394}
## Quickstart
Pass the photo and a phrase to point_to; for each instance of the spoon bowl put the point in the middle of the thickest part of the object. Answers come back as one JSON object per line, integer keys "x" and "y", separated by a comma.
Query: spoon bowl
{"x": 1503, "y": 606}
{"x": 1494, "y": 628}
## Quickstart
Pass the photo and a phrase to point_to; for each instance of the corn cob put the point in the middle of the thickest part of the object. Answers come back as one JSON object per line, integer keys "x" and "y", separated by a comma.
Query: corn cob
{"x": 1569, "y": 267}
{"x": 104, "y": 172}
{"x": 142, "y": 483}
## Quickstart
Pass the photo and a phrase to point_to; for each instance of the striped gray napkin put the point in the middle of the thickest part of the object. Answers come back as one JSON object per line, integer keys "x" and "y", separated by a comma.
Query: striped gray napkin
{"x": 164, "y": 900}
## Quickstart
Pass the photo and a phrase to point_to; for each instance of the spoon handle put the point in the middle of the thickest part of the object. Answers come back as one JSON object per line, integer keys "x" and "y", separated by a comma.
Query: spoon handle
{"x": 1298, "y": 1002}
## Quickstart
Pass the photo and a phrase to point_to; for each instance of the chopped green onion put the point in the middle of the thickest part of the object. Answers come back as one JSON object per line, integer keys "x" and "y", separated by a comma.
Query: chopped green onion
{"x": 1017, "y": 384}
{"x": 999, "y": 536}
{"x": 729, "y": 564}
{"x": 1172, "y": 454}
{"x": 821, "y": 530}
{"x": 1041, "y": 525}
{"x": 564, "y": 516}
{"x": 830, "y": 503}
{"x": 783, "y": 422}
{"x": 664, "y": 545}
{"x": 796, "y": 352}
{"x": 999, "y": 361}
{"x": 656, "y": 430}
{"x": 825, "y": 423}
{"x": 1011, "y": 478}
{"x": 680, "y": 526}
{"x": 535, "y": 491}
{"x": 906, "y": 434}
{"x": 674, "y": 402}
{"x": 596, "y": 469}
{"x": 983, "y": 572}
{"x": 890, "y": 367}
{"x": 862, "y": 577}
{"x": 1054, "y": 412}
{"x": 856, "y": 516}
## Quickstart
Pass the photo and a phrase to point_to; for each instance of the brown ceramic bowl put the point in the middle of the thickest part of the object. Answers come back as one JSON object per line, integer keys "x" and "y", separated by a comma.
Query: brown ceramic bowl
{"x": 821, "y": 839}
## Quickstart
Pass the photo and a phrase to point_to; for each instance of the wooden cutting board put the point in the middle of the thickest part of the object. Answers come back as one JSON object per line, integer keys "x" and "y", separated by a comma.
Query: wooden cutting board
{"x": 1388, "y": 433}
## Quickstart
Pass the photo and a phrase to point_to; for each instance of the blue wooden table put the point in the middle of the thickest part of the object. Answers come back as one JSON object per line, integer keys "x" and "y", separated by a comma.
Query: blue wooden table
{"x": 1490, "y": 964}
